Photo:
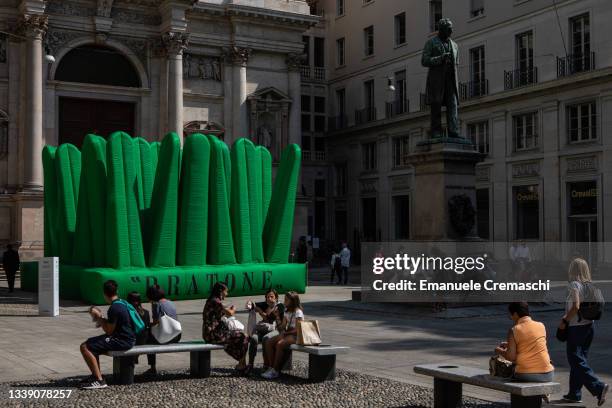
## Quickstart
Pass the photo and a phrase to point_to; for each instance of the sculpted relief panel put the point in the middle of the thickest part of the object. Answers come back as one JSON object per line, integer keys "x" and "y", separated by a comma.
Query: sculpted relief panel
{"x": 201, "y": 67}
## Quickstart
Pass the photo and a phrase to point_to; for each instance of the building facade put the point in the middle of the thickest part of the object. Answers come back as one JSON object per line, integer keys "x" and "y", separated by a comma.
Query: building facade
{"x": 147, "y": 67}
{"x": 536, "y": 96}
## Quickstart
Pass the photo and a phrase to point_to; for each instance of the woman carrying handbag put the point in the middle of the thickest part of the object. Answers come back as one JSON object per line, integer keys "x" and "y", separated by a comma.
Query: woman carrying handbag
{"x": 578, "y": 332}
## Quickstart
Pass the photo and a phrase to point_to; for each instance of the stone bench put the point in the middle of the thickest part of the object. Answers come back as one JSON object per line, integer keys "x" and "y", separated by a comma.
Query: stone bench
{"x": 448, "y": 380}
{"x": 321, "y": 360}
{"x": 199, "y": 357}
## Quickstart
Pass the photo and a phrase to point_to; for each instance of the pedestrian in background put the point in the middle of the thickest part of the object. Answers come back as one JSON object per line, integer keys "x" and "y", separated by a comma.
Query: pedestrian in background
{"x": 580, "y": 336}
{"x": 336, "y": 268}
{"x": 10, "y": 263}
{"x": 345, "y": 260}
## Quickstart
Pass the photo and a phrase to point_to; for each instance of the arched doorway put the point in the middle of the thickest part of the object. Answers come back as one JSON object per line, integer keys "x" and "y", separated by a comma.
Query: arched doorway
{"x": 99, "y": 65}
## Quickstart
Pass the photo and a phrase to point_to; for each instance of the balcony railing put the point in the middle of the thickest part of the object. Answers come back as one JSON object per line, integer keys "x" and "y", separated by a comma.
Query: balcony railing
{"x": 520, "y": 77}
{"x": 397, "y": 107}
{"x": 473, "y": 89}
{"x": 574, "y": 64}
{"x": 365, "y": 115}
{"x": 308, "y": 155}
{"x": 423, "y": 105}
{"x": 315, "y": 73}
{"x": 338, "y": 122}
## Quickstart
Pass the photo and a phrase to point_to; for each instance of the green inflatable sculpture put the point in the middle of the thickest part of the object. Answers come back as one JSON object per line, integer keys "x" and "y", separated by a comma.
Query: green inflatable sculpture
{"x": 143, "y": 213}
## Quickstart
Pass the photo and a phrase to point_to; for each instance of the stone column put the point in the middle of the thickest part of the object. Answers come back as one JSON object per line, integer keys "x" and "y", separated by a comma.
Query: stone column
{"x": 240, "y": 117}
{"x": 175, "y": 43}
{"x": 294, "y": 61}
{"x": 34, "y": 27}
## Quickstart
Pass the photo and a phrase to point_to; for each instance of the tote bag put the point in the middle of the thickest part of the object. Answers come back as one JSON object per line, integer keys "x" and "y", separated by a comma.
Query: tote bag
{"x": 308, "y": 333}
{"x": 167, "y": 328}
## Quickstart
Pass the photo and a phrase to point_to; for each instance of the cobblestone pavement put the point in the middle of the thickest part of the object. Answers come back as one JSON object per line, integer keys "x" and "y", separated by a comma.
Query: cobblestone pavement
{"x": 224, "y": 389}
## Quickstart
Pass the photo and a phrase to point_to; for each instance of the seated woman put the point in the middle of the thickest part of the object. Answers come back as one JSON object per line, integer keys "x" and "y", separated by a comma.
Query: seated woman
{"x": 271, "y": 312}
{"x": 216, "y": 331}
{"x": 276, "y": 347}
{"x": 526, "y": 346}
{"x": 159, "y": 306}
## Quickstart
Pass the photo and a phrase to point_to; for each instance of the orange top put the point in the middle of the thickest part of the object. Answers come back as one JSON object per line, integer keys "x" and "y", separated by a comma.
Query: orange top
{"x": 531, "y": 351}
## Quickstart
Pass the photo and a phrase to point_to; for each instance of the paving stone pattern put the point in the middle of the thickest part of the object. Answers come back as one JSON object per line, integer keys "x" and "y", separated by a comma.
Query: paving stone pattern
{"x": 225, "y": 389}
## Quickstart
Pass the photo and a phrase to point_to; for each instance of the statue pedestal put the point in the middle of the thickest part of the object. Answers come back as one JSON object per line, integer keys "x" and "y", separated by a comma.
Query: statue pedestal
{"x": 443, "y": 168}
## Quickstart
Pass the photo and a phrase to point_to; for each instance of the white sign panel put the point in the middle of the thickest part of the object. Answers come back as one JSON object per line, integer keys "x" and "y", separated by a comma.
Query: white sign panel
{"x": 48, "y": 286}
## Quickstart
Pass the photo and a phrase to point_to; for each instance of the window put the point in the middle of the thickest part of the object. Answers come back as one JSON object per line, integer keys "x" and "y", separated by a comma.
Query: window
{"x": 319, "y": 144}
{"x": 582, "y": 122}
{"x": 478, "y": 133}
{"x": 524, "y": 58}
{"x": 369, "y": 156}
{"x": 401, "y": 100}
{"x": 341, "y": 102}
{"x": 525, "y": 131}
{"x": 368, "y": 94}
{"x": 582, "y": 197}
{"x": 401, "y": 207}
{"x": 368, "y": 41}
{"x": 477, "y": 8}
{"x": 341, "y": 179}
{"x": 401, "y": 150}
{"x": 340, "y": 52}
{"x": 527, "y": 212}
{"x": 435, "y": 14}
{"x": 339, "y": 7}
{"x": 319, "y": 52}
{"x": 319, "y": 123}
{"x": 306, "y": 143}
{"x": 305, "y": 103}
{"x": 306, "y": 123}
{"x": 400, "y": 29}
{"x": 368, "y": 220}
{"x": 319, "y": 104}
{"x": 306, "y": 41}
{"x": 477, "y": 87}
{"x": 580, "y": 44}
{"x": 482, "y": 212}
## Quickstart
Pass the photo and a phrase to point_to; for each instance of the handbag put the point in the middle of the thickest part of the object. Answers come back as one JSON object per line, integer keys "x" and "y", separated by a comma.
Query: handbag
{"x": 167, "y": 328}
{"x": 500, "y": 367}
{"x": 308, "y": 333}
{"x": 561, "y": 334}
{"x": 232, "y": 323}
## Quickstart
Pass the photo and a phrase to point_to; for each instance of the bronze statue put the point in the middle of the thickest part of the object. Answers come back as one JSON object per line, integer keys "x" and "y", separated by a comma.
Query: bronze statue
{"x": 440, "y": 55}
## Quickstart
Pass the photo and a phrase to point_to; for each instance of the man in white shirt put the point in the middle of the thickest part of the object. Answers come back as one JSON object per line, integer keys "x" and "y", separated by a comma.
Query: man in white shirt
{"x": 345, "y": 260}
{"x": 520, "y": 257}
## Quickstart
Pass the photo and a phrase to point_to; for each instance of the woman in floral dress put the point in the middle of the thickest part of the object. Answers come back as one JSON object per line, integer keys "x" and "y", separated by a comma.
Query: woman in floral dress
{"x": 216, "y": 331}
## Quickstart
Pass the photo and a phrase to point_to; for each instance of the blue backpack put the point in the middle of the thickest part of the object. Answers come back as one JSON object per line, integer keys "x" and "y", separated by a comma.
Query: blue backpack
{"x": 137, "y": 322}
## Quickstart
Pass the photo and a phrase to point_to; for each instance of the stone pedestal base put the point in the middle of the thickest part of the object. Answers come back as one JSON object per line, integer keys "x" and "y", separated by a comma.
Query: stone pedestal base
{"x": 443, "y": 169}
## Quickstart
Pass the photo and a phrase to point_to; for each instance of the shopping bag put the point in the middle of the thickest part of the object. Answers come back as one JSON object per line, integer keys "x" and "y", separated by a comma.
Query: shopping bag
{"x": 252, "y": 322}
{"x": 308, "y": 333}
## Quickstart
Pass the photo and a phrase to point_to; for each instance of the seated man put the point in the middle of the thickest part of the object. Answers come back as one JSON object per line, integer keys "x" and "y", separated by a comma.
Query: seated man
{"x": 119, "y": 334}
{"x": 526, "y": 346}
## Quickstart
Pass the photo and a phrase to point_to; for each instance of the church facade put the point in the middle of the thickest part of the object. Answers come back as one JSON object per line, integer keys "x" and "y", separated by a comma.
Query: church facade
{"x": 147, "y": 67}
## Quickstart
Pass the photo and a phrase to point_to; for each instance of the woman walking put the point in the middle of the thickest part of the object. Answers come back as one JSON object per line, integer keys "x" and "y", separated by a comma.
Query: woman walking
{"x": 579, "y": 337}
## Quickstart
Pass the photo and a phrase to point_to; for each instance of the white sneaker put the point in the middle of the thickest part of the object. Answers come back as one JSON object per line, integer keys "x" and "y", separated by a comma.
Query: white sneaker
{"x": 270, "y": 374}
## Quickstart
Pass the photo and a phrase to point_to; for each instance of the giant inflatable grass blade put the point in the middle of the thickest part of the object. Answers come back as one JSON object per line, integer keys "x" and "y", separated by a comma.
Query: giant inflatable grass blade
{"x": 143, "y": 213}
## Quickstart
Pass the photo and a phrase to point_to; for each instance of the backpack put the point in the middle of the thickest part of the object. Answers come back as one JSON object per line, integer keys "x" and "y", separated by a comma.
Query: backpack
{"x": 137, "y": 322}
{"x": 592, "y": 306}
